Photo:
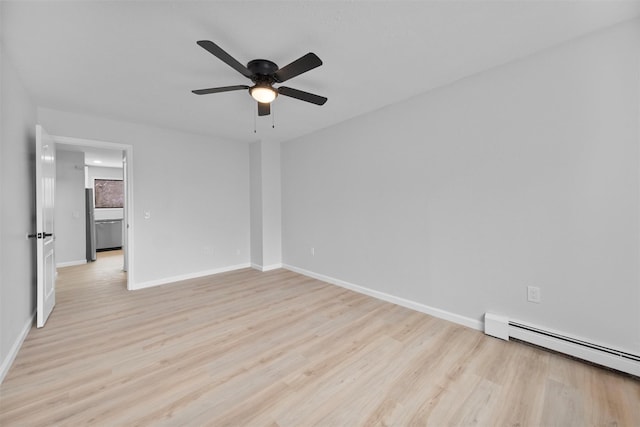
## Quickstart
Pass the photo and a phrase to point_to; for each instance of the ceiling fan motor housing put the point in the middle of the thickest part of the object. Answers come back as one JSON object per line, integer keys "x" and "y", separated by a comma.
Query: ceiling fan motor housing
{"x": 262, "y": 70}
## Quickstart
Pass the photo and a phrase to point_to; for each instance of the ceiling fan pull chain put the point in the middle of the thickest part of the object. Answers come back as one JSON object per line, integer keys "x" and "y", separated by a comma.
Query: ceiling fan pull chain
{"x": 254, "y": 117}
{"x": 273, "y": 119}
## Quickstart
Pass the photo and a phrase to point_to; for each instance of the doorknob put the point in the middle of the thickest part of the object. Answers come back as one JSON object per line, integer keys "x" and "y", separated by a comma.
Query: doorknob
{"x": 39, "y": 235}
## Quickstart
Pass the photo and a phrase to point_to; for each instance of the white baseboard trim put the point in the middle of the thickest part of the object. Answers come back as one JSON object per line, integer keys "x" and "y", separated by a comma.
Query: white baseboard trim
{"x": 15, "y": 348}
{"x": 71, "y": 263}
{"x": 432, "y": 311}
{"x": 264, "y": 268}
{"x": 164, "y": 281}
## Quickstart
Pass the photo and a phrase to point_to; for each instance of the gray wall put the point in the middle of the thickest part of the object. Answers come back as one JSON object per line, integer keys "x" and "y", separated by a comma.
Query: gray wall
{"x": 70, "y": 208}
{"x": 271, "y": 205}
{"x": 255, "y": 179}
{"x": 458, "y": 199}
{"x": 266, "y": 218}
{"x": 17, "y": 209}
{"x": 196, "y": 189}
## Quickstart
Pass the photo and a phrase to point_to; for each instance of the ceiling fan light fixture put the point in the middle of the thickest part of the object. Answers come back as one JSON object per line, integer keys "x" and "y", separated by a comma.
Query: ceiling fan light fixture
{"x": 263, "y": 93}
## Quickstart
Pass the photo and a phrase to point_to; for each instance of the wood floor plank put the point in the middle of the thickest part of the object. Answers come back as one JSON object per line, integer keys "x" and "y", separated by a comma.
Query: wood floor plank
{"x": 280, "y": 349}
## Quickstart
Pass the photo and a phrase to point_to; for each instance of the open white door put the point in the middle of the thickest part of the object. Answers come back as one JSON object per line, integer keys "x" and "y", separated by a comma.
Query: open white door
{"x": 45, "y": 237}
{"x": 125, "y": 221}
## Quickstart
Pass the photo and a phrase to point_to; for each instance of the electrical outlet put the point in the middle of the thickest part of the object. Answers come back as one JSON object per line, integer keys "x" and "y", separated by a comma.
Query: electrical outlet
{"x": 533, "y": 294}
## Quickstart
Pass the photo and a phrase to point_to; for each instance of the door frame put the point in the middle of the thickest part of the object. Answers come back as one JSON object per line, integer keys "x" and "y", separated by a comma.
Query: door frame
{"x": 128, "y": 211}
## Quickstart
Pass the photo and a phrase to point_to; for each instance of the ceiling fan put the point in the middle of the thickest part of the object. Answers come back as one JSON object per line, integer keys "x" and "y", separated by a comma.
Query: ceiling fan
{"x": 264, "y": 73}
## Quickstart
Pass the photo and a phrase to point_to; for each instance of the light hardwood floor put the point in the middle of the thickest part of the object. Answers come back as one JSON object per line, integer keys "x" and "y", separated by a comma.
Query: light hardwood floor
{"x": 261, "y": 349}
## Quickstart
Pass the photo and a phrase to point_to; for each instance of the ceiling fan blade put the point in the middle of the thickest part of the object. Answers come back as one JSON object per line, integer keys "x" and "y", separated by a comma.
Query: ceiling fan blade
{"x": 217, "y": 51}
{"x": 297, "y": 67}
{"x": 303, "y": 96}
{"x": 219, "y": 89}
{"x": 264, "y": 109}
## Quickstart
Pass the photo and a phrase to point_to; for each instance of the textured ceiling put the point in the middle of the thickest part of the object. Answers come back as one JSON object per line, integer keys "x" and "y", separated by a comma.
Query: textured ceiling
{"x": 138, "y": 60}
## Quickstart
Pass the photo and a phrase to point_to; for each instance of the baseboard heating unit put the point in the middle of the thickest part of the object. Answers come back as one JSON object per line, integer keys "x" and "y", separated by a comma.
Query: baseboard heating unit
{"x": 504, "y": 328}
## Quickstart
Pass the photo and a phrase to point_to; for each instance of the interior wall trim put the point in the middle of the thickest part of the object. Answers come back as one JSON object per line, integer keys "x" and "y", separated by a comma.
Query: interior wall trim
{"x": 264, "y": 268}
{"x": 71, "y": 263}
{"x": 166, "y": 280}
{"x": 413, "y": 305}
{"x": 15, "y": 348}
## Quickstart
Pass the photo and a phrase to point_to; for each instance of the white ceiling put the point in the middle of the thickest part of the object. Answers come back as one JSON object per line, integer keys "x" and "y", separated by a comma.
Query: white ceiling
{"x": 138, "y": 60}
{"x": 93, "y": 156}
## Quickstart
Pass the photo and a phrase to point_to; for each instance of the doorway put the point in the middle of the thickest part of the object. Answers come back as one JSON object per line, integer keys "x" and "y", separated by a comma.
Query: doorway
{"x": 107, "y": 165}
{"x": 103, "y": 275}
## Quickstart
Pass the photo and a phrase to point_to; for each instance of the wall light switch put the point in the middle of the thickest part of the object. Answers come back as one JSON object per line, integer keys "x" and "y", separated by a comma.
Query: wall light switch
{"x": 147, "y": 214}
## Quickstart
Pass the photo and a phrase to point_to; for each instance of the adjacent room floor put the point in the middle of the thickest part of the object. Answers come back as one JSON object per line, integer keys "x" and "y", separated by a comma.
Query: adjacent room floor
{"x": 278, "y": 348}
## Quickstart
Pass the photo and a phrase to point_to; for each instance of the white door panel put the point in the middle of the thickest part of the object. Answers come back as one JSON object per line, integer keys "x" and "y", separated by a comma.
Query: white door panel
{"x": 45, "y": 235}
